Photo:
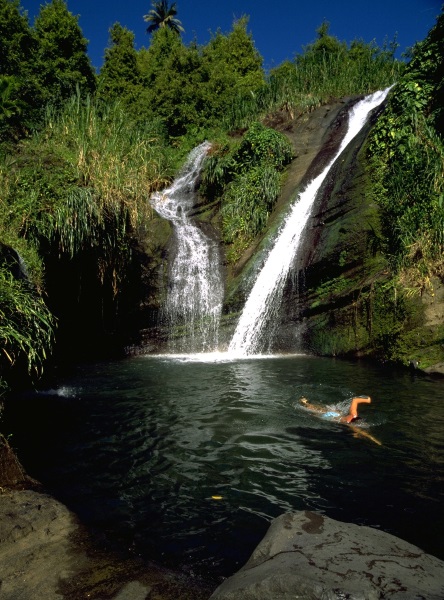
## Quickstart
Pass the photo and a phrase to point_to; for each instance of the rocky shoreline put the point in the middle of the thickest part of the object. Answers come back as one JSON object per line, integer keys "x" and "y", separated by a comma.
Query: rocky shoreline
{"x": 45, "y": 552}
{"x": 309, "y": 556}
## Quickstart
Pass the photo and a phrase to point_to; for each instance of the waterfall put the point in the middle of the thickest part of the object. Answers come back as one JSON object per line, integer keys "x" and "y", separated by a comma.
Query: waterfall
{"x": 195, "y": 289}
{"x": 265, "y": 297}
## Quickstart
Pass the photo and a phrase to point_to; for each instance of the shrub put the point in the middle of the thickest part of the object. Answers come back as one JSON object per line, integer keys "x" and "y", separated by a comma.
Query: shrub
{"x": 262, "y": 145}
{"x": 247, "y": 205}
{"x": 26, "y": 324}
{"x": 406, "y": 154}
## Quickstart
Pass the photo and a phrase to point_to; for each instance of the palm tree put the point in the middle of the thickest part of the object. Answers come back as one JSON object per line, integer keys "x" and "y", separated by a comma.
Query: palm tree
{"x": 162, "y": 15}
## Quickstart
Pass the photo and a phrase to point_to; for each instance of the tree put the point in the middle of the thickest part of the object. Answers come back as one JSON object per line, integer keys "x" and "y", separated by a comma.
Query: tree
{"x": 172, "y": 82}
{"x": 16, "y": 39}
{"x": 61, "y": 61}
{"x": 231, "y": 67}
{"x": 326, "y": 47}
{"x": 190, "y": 87}
{"x": 162, "y": 15}
{"x": 120, "y": 76}
{"x": 20, "y": 94}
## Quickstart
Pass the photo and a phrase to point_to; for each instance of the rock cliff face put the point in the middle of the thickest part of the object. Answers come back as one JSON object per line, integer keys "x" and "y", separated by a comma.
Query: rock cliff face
{"x": 347, "y": 301}
{"x": 336, "y": 269}
{"x": 341, "y": 298}
{"x": 335, "y": 272}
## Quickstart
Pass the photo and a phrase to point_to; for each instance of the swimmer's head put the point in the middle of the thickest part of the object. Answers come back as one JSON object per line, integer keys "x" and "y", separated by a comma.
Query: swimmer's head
{"x": 303, "y": 400}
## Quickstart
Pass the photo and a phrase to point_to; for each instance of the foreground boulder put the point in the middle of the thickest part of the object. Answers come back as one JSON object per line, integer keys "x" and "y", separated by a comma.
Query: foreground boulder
{"x": 311, "y": 557}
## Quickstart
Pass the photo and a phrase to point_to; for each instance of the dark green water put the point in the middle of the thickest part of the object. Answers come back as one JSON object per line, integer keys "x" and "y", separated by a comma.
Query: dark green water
{"x": 139, "y": 447}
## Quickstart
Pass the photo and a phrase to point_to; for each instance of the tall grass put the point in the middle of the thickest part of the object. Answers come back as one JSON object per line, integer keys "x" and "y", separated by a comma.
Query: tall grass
{"x": 247, "y": 205}
{"x": 409, "y": 187}
{"x": 317, "y": 77}
{"x": 246, "y": 176}
{"x": 88, "y": 173}
{"x": 120, "y": 163}
{"x": 83, "y": 181}
{"x": 406, "y": 153}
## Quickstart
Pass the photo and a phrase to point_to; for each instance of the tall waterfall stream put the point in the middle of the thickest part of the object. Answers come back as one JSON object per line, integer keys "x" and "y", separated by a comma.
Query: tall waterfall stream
{"x": 264, "y": 300}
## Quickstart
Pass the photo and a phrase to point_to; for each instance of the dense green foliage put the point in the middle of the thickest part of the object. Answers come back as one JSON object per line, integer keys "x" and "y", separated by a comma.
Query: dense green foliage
{"x": 190, "y": 87}
{"x": 407, "y": 154}
{"x": 60, "y": 61}
{"x": 187, "y": 88}
{"x": 47, "y": 63}
{"x": 16, "y": 38}
{"x": 247, "y": 204}
{"x": 20, "y": 91}
{"x": 119, "y": 76}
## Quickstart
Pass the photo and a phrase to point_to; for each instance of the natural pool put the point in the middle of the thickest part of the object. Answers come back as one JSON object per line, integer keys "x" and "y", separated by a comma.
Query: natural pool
{"x": 140, "y": 447}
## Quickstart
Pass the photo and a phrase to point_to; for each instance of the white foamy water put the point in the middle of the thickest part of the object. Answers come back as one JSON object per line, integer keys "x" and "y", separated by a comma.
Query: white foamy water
{"x": 219, "y": 357}
{"x": 195, "y": 287}
{"x": 265, "y": 297}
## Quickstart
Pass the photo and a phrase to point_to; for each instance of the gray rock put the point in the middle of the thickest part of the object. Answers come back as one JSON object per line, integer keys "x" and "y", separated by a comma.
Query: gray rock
{"x": 35, "y": 552}
{"x": 311, "y": 557}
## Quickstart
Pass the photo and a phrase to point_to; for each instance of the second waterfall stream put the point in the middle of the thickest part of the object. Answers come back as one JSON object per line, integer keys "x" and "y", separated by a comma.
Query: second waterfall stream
{"x": 265, "y": 297}
{"x": 195, "y": 286}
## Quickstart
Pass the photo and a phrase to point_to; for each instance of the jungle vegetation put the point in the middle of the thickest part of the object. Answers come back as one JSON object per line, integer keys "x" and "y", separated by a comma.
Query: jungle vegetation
{"x": 80, "y": 151}
{"x": 407, "y": 161}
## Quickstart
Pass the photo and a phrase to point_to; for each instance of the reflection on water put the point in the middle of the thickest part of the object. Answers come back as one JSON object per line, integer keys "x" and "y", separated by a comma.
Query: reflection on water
{"x": 140, "y": 447}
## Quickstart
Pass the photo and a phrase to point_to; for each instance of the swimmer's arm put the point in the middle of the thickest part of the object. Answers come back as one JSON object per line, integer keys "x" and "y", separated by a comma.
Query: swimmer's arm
{"x": 310, "y": 406}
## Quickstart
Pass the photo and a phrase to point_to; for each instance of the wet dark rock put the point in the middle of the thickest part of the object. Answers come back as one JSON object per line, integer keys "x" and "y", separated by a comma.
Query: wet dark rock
{"x": 12, "y": 474}
{"x": 11, "y": 260}
{"x": 312, "y": 557}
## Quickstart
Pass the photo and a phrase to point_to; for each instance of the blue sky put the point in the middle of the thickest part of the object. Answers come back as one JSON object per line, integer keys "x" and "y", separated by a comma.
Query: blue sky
{"x": 280, "y": 28}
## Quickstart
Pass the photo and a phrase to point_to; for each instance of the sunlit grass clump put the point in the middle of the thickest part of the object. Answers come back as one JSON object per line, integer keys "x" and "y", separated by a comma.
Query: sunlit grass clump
{"x": 87, "y": 166}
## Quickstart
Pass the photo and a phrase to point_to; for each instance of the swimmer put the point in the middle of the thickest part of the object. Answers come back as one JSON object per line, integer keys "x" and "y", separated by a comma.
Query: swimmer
{"x": 347, "y": 419}
{"x": 352, "y": 413}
